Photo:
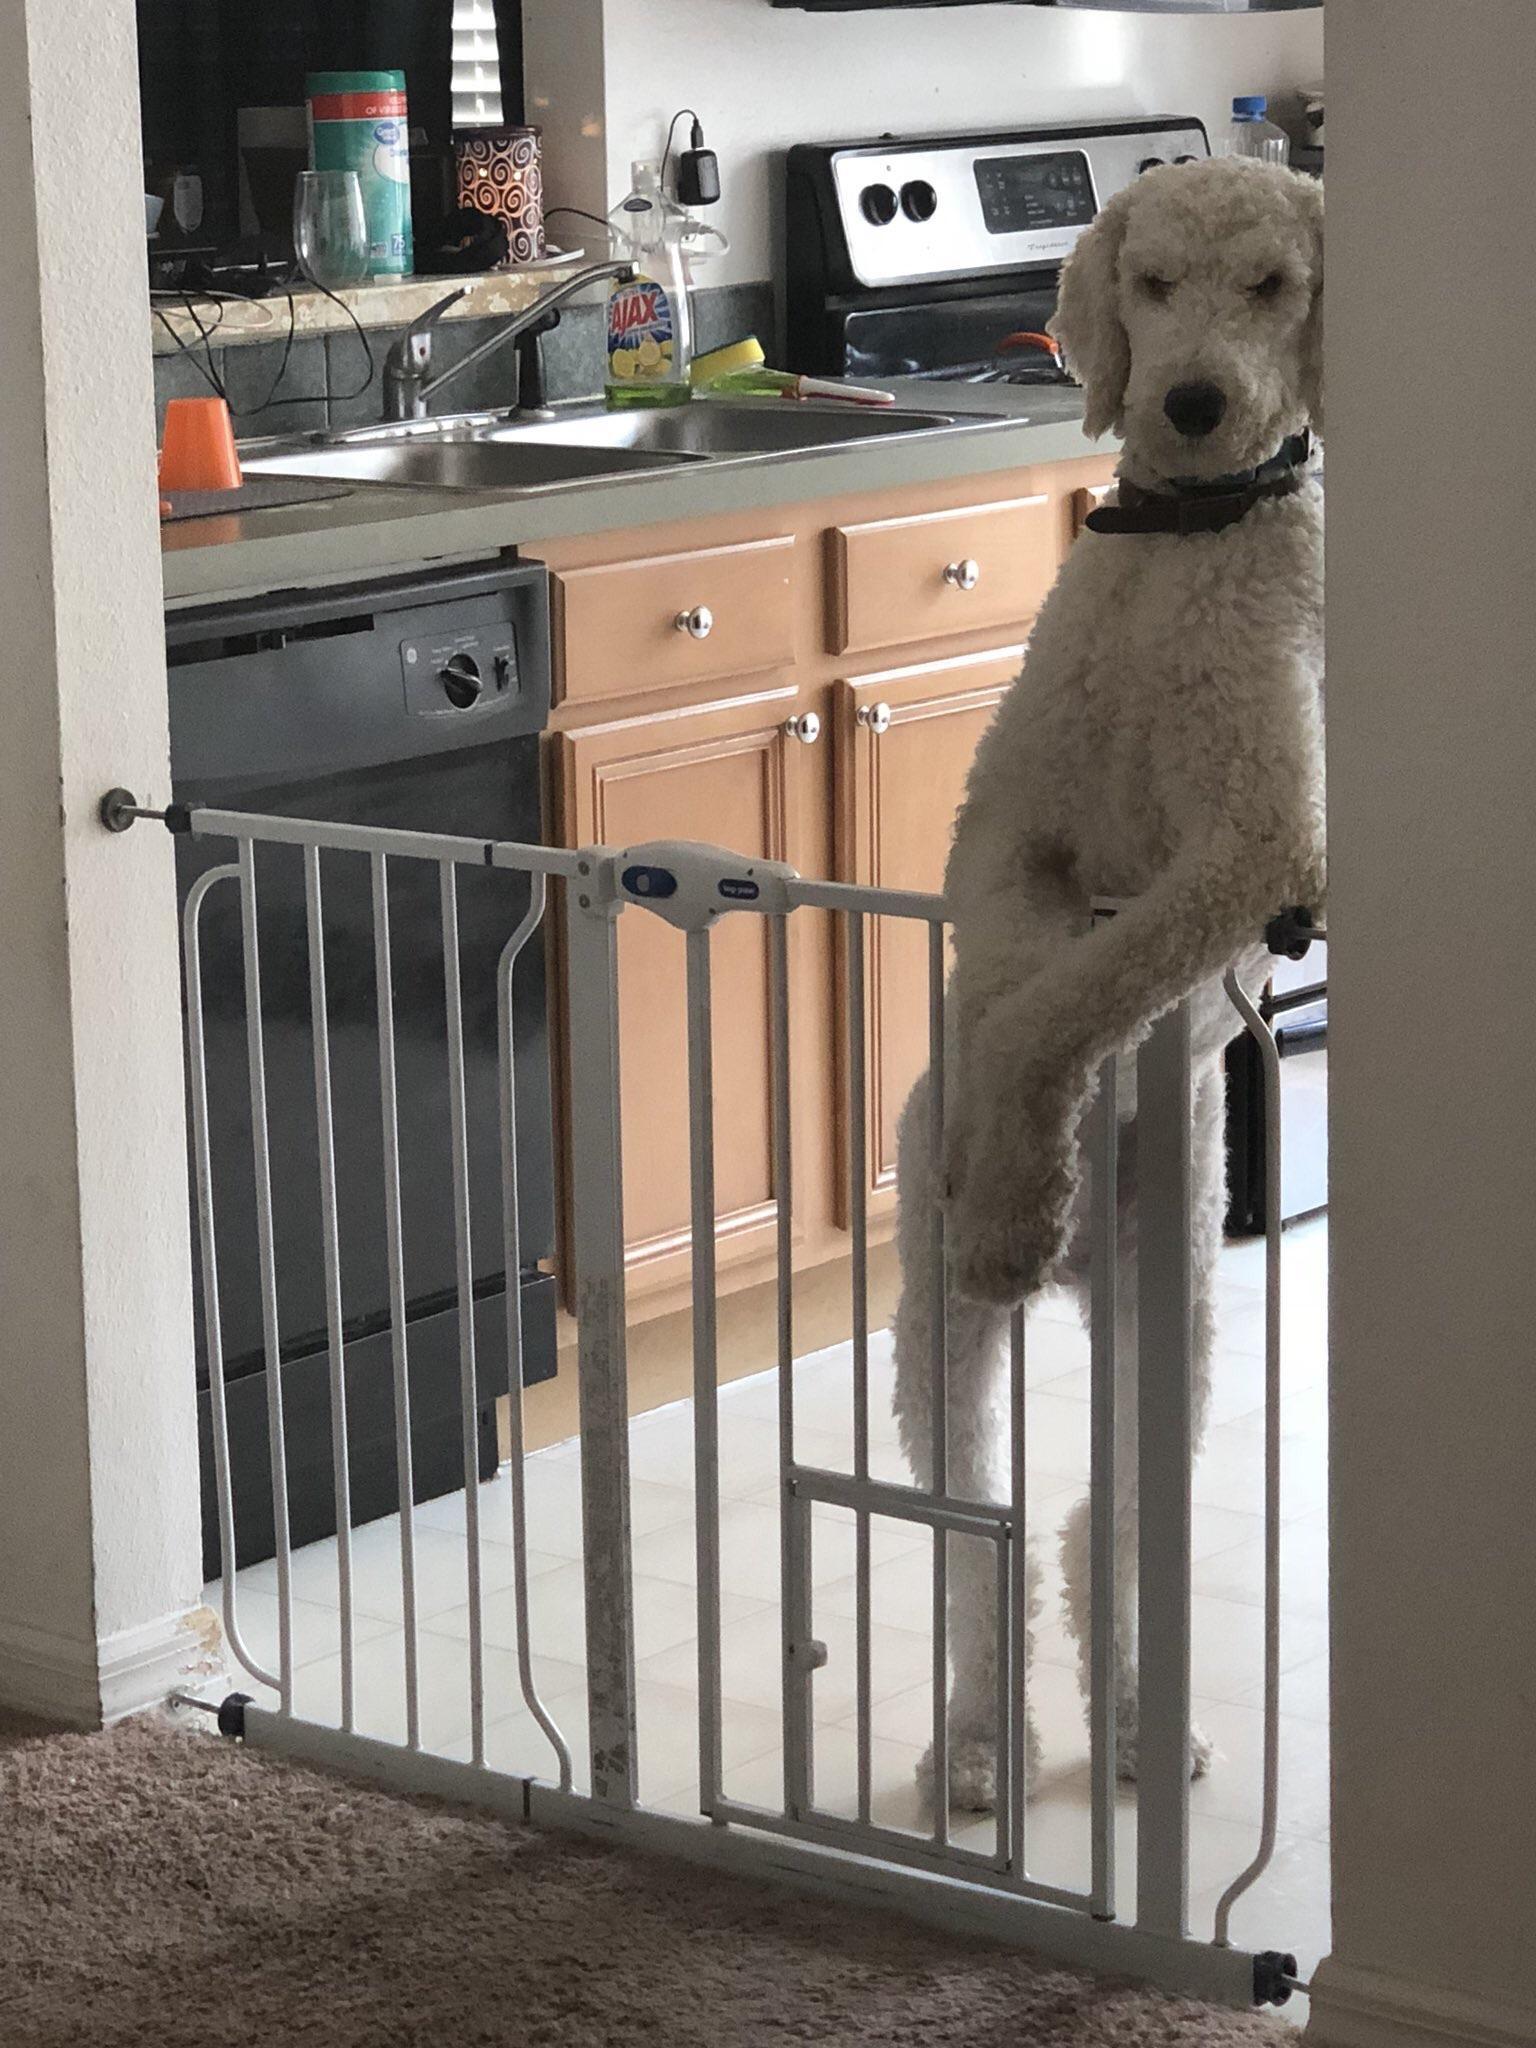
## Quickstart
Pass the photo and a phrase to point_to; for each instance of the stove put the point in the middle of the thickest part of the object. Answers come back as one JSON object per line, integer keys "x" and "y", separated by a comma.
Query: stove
{"x": 938, "y": 257}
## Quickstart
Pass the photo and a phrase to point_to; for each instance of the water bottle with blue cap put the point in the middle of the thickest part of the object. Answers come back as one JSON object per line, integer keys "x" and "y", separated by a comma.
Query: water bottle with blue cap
{"x": 1251, "y": 134}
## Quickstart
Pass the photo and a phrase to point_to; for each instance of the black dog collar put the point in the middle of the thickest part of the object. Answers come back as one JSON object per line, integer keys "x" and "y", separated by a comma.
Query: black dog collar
{"x": 1187, "y": 508}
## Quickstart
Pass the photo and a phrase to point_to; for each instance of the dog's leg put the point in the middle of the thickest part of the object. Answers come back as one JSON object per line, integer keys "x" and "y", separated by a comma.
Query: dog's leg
{"x": 978, "y": 1462}
{"x": 1207, "y": 1210}
{"x": 1077, "y": 1536}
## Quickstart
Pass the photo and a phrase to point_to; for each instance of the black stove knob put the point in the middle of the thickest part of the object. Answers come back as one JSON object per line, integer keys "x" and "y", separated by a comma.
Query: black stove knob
{"x": 918, "y": 199}
{"x": 460, "y": 678}
{"x": 1151, "y": 163}
{"x": 878, "y": 205}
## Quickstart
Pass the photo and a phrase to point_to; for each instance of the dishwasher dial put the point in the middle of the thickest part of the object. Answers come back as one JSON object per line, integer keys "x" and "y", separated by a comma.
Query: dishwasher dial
{"x": 460, "y": 678}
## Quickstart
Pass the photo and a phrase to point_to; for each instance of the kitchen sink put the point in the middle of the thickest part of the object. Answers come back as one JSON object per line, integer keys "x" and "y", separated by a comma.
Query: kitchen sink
{"x": 454, "y": 464}
{"x": 716, "y": 428}
{"x": 504, "y": 454}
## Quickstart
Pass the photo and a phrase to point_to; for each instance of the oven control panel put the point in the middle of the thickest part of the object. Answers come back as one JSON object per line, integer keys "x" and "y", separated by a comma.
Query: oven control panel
{"x": 913, "y": 213}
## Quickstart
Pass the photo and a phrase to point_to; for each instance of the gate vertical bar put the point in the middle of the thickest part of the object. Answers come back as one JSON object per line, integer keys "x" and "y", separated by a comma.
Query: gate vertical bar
{"x": 1015, "y": 1722}
{"x": 1269, "y": 1055}
{"x": 939, "y": 1367}
{"x": 1165, "y": 1444}
{"x": 464, "y": 1274}
{"x": 389, "y": 1115}
{"x": 706, "y": 1382}
{"x": 858, "y": 1218}
{"x": 794, "y": 1513}
{"x": 213, "y": 1328}
{"x": 341, "y": 1483}
{"x": 597, "y": 1202}
{"x": 261, "y": 1147}
{"x": 1103, "y": 1488}
{"x": 512, "y": 1238}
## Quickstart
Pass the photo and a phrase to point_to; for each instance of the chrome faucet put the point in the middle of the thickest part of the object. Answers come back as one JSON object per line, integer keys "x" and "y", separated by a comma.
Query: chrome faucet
{"x": 409, "y": 386}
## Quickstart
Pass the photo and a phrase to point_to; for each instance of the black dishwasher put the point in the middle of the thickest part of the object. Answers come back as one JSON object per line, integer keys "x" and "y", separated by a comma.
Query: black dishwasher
{"x": 415, "y": 703}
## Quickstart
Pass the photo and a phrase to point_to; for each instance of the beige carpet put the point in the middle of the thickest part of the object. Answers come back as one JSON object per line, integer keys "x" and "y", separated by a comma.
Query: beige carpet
{"x": 167, "y": 1890}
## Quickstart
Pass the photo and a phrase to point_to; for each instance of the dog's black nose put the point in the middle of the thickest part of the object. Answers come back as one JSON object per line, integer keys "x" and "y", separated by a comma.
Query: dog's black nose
{"x": 1196, "y": 409}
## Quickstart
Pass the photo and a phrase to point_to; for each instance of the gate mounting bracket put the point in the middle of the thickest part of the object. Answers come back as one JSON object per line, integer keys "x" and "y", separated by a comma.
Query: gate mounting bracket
{"x": 1274, "y": 1977}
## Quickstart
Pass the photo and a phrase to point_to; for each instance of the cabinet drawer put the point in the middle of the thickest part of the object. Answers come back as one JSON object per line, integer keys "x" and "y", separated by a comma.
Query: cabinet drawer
{"x": 942, "y": 573}
{"x": 624, "y": 627}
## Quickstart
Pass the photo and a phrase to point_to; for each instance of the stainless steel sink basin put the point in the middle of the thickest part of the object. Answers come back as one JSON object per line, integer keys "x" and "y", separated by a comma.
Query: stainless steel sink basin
{"x": 456, "y": 464}
{"x": 491, "y": 452}
{"x": 724, "y": 430}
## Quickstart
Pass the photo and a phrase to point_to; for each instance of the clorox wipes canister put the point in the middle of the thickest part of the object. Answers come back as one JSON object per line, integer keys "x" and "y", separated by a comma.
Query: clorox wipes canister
{"x": 650, "y": 325}
{"x": 358, "y": 122}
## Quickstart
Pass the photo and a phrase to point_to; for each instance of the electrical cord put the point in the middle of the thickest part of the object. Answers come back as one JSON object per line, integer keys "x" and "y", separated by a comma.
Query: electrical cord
{"x": 208, "y": 370}
{"x": 695, "y": 139}
{"x": 205, "y": 335}
{"x": 361, "y": 332}
{"x": 579, "y": 213}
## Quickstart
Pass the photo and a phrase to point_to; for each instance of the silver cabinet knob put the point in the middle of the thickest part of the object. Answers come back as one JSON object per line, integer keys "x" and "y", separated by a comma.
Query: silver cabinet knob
{"x": 806, "y": 728}
{"x": 697, "y": 624}
{"x": 964, "y": 574}
{"x": 874, "y": 718}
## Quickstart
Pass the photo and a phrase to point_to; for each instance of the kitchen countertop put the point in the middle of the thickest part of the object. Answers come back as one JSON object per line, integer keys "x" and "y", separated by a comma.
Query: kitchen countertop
{"x": 380, "y": 530}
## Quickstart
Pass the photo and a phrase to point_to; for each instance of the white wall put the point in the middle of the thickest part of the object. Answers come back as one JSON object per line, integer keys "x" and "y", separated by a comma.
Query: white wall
{"x": 98, "y": 1489}
{"x": 763, "y": 78}
{"x": 1432, "y": 771}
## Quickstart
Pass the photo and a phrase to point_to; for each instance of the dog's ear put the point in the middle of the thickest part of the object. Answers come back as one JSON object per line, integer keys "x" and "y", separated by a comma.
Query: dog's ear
{"x": 1094, "y": 343}
{"x": 1310, "y": 199}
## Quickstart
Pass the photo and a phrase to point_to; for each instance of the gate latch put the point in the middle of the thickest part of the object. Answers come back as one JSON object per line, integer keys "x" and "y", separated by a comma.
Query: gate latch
{"x": 691, "y": 885}
{"x": 810, "y": 1655}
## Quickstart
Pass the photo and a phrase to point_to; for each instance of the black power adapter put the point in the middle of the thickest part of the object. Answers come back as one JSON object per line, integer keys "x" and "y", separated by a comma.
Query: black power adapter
{"x": 698, "y": 168}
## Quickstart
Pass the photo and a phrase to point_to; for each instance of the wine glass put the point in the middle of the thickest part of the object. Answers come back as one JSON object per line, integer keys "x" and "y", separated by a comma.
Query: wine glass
{"x": 330, "y": 228}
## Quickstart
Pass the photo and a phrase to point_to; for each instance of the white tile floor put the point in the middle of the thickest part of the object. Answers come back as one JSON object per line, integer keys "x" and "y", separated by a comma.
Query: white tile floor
{"x": 1288, "y": 1909}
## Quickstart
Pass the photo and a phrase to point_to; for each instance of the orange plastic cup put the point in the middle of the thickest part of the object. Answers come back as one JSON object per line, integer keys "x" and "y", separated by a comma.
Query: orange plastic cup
{"x": 198, "y": 449}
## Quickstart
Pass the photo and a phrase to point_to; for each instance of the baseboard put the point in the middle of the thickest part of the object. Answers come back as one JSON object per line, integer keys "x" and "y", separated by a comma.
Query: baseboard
{"x": 87, "y": 1685}
{"x": 1353, "y": 2008}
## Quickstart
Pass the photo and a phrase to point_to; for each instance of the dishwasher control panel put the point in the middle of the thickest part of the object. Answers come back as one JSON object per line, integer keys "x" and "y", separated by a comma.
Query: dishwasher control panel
{"x": 456, "y": 671}
{"x": 306, "y": 685}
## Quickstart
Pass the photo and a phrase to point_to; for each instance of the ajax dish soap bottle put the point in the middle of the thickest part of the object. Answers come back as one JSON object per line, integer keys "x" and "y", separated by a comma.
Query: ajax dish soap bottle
{"x": 650, "y": 325}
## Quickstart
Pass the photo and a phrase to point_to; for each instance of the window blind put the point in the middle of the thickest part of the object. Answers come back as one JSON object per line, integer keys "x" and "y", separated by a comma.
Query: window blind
{"x": 476, "y": 69}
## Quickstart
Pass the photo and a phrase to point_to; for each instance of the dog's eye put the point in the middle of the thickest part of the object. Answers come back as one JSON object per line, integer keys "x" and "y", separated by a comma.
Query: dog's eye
{"x": 1158, "y": 288}
{"x": 1270, "y": 287}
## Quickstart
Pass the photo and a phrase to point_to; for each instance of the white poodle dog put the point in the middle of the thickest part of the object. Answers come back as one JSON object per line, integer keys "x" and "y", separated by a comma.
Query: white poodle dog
{"x": 1163, "y": 744}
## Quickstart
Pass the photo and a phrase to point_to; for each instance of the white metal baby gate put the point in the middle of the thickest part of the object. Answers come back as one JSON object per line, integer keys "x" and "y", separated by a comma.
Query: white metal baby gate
{"x": 987, "y": 1889}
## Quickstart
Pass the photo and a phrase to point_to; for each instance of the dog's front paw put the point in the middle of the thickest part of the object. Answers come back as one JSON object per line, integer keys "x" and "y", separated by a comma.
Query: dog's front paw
{"x": 989, "y": 1261}
{"x": 1008, "y": 1228}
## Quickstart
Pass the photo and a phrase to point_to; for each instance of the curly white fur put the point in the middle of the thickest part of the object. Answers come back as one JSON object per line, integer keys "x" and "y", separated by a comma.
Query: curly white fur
{"x": 1163, "y": 744}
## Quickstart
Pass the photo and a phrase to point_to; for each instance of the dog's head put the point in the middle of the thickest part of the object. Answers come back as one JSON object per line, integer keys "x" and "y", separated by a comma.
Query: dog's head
{"x": 1192, "y": 314}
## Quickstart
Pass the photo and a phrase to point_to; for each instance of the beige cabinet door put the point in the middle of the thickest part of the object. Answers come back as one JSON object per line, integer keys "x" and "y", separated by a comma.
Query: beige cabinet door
{"x": 732, "y": 775}
{"x": 905, "y": 741}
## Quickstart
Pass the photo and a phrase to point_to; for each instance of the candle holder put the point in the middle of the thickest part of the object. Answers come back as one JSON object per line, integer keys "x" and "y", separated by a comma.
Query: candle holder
{"x": 500, "y": 172}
